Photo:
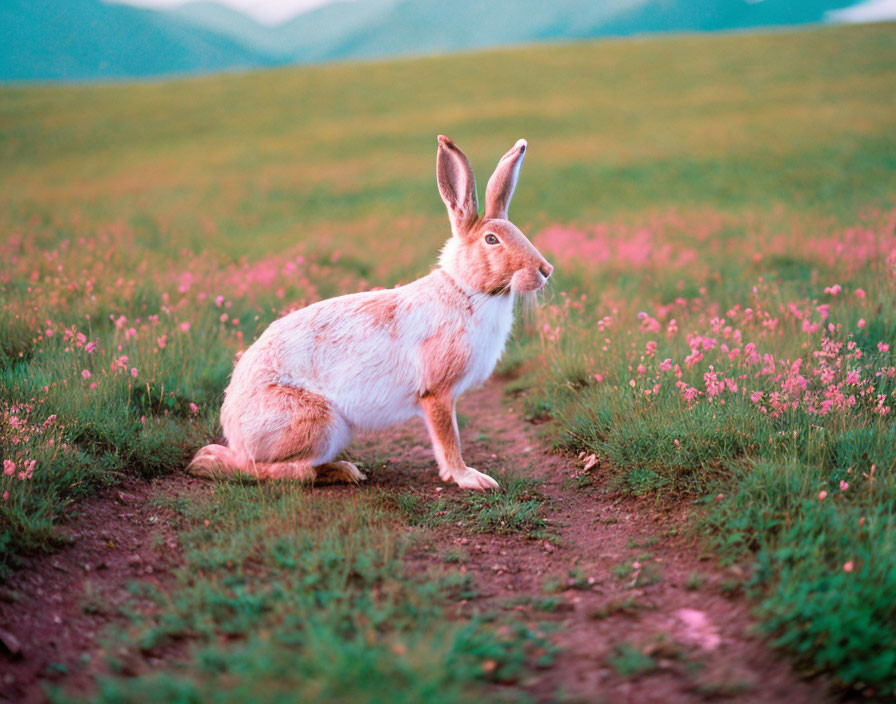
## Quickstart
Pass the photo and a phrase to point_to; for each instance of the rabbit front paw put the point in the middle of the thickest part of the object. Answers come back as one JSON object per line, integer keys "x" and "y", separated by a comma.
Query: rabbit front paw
{"x": 469, "y": 478}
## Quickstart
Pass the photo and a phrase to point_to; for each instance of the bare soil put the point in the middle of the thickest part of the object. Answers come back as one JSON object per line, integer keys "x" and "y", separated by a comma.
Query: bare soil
{"x": 611, "y": 575}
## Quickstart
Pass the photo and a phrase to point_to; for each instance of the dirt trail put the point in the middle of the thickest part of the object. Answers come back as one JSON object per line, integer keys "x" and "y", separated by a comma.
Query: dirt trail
{"x": 673, "y": 603}
{"x": 678, "y": 606}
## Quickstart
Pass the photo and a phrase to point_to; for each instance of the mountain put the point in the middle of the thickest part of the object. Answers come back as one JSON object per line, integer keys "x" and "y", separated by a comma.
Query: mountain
{"x": 89, "y": 39}
{"x": 357, "y": 29}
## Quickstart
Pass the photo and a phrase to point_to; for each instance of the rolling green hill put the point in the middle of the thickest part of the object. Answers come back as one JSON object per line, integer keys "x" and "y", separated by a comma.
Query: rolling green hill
{"x": 90, "y": 39}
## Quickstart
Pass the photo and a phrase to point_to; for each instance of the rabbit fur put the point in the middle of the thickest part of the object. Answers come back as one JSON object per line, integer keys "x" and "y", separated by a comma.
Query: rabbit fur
{"x": 369, "y": 360}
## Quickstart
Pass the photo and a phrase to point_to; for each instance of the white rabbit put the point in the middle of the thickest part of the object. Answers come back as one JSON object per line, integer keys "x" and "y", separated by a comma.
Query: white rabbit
{"x": 369, "y": 360}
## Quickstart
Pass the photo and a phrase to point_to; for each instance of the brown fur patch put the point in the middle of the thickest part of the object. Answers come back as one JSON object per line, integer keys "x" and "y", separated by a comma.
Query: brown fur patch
{"x": 445, "y": 356}
{"x": 302, "y": 424}
{"x": 382, "y": 308}
{"x": 438, "y": 410}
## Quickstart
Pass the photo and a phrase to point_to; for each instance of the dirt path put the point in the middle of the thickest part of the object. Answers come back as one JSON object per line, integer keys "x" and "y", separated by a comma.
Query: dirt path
{"x": 633, "y": 572}
{"x": 639, "y": 615}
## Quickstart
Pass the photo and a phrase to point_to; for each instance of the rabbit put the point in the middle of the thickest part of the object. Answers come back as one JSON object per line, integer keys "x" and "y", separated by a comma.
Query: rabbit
{"x": 368, "y": 360}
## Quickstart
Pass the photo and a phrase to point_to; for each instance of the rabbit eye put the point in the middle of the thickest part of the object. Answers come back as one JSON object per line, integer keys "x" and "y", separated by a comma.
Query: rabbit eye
{"x": 491, "y": 239}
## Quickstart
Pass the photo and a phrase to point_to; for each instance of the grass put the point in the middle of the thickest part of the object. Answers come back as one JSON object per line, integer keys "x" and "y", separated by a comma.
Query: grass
{"x": 282, "y": 593}
{"x": 725, "y": 183}
{"x": 514, "y": 508}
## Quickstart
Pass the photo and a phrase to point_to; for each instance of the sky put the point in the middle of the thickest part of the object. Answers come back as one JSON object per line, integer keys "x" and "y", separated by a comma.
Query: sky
{"x": 267, "y": 11}
{"x": 275, "y": 11}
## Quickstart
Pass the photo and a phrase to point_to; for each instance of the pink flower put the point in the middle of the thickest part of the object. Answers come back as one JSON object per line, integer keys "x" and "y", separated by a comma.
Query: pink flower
{"x": 6, "y": 496}
{"x": 641, "y": 369}
{"x": 843, "y": 485}
{"x": 162, "y": 341}
{"x": 650, "y": 347}
{"x": 860, "y": 293}
{"x": 756, "y": 396}
{"x": 833, "y": 290}
{"x": 665, "y": 365}
{"x": 883, "y": 346}
{"x": 677, "y": 444}
{"x": 848, "y": 566}
{"x": 853, "y": 377}
{"x": 861, "y": 323}
{"x": 92, "y": 386}
{"x": 85, "y": 373}
{"x": 599, "y": 378}
{"x": 134, "y": 371}
{"x": 822, "y": 495}
{"x": 219, "y": 301}
{"x": 9, "y": 467}
{"x": 90, "y": 346}
{"x": 194, "y": 408}
{"x": 185, "y": 326}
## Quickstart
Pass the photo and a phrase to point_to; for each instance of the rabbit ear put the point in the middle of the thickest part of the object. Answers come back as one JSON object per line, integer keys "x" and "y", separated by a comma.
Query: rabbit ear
{"x": 503, "y": 182}
{"x": 456, "y": 186}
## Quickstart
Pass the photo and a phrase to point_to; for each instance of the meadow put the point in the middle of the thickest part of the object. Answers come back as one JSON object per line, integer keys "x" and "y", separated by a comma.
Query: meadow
{"x": 721, "y": 327}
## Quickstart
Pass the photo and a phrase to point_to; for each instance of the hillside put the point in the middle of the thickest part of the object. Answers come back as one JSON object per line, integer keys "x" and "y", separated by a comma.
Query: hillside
{"x": 89, "y": 39}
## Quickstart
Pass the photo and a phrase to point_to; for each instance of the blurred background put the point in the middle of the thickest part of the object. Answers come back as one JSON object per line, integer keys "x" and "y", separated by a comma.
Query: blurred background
{"x": 93, "y": 39}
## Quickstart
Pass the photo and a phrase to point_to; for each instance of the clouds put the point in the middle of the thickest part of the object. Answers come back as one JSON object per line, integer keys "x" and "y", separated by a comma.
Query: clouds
{"x": 266, "y": 11}
{"x": 868, "y": 11}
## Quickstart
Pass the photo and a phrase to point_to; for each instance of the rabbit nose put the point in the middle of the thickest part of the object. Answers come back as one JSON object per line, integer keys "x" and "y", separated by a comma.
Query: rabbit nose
{"x": 546, "y": 270}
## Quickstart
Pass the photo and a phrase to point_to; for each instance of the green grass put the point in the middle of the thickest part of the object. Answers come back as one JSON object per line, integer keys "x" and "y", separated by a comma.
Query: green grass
{"x": 724, "y": 171}
{"x": 283, "y": 594}
{"x": 514, "y": 508}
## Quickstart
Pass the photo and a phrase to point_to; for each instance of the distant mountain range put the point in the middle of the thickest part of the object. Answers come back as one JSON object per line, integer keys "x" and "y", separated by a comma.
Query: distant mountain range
{"x": 76, "y": 40}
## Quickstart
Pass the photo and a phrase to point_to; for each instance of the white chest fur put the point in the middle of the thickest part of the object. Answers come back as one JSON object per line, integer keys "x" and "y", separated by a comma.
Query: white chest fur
{"x": 488, "y": 330}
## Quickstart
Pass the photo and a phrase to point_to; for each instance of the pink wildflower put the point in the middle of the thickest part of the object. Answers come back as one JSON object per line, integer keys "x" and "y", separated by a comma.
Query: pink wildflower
{"x": 90, "y": 346}
{"x": 641, "y": 369}
{"x": 194, "y": 408}
{"x": 848, "y": 566}
{"x": 853, "y": 377}
{"x": 599, "y": 378}
{"x": 843, "y": 485}
{"x": 6, "y": 496}
{"x": 650, "y": 347}
{"x": 665, "y": 365}
{"x": 85, "y": 373}
{"x": 883, "y": 347}
{"x": 860, "y": 293}
{"x": 822, "y": 495}
{"x": 9, "y": 467}
{"x": 833, "y": 290}
{"x": 185, "y": 326}
{"x": 756, "y": 396}
{"x": 861, "y": 323}
{"x": 134, "y": 371}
